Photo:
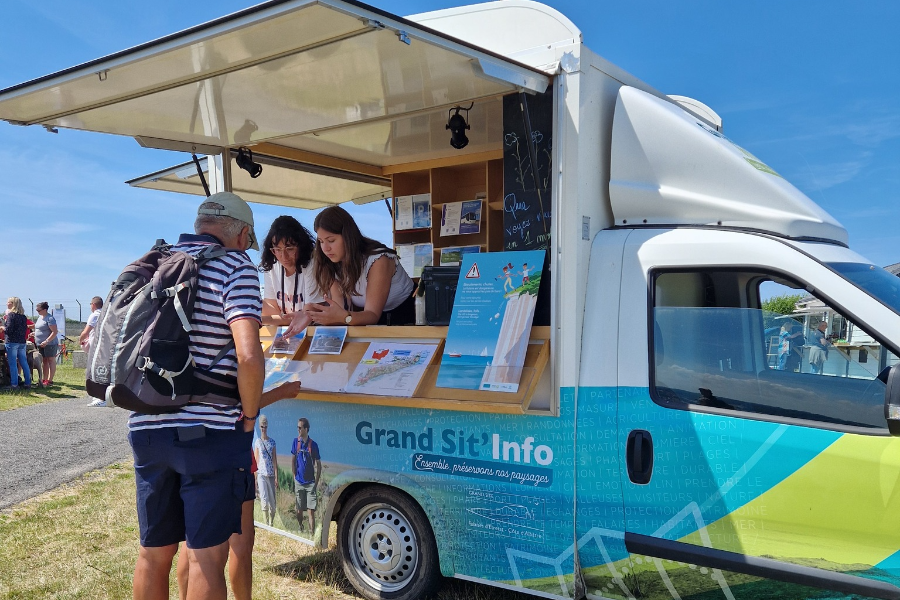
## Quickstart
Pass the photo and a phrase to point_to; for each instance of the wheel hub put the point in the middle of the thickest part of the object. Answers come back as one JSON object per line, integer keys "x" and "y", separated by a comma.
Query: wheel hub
{"x": 385, "y": 549}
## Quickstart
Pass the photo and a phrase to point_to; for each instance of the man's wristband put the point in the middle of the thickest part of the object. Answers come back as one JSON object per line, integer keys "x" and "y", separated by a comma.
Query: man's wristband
{"x": 248, "y": 418}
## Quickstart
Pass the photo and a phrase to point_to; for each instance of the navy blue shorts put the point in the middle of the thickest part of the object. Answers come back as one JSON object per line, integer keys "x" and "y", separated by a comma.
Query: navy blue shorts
{"x": 190, "y": 490}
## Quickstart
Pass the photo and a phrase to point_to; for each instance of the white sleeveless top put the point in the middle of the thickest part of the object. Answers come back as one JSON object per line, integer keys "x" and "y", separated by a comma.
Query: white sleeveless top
{"x": 401, "y": 284}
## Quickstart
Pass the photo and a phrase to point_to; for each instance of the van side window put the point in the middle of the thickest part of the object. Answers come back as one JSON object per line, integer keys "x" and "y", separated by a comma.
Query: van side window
{"x": 716, "y": 349}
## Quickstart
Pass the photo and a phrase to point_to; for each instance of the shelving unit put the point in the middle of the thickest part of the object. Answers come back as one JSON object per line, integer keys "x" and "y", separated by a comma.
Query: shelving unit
{"x": 455, "y": 183}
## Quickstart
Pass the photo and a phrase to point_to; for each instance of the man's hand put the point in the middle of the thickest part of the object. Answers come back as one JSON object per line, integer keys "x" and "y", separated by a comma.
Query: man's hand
{"x": 285, "y": 390}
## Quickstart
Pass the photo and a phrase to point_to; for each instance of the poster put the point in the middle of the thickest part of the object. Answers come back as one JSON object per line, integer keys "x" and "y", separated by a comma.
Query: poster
{"x": 286, "y": 346}
{"x": 328, "y": 340}
{"x": 450, "y": 214}
{"x": 421, "y": 211}
{"x": 491, "y": 321}
{"x": 388, "y": 369}
{"x": 415, "y": 257}
{"x": 403, "y": 213}
{"x": 470, "y": 217}
{"x": 451, "y": 256}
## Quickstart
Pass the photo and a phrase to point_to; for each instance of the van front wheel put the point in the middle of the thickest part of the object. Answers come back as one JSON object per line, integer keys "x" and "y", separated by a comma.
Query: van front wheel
{"x": 387, "y": 546}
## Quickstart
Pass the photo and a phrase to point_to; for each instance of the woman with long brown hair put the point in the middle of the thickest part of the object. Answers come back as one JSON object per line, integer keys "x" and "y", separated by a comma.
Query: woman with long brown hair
{"x": 365, "y": 282}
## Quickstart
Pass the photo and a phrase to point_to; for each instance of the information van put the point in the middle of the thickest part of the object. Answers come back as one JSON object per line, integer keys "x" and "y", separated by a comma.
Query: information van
{"x": 657, "y": 445}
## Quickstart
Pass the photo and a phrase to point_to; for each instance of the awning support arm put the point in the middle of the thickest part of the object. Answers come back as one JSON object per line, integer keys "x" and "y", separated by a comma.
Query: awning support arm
{"x": 200, "y": 173}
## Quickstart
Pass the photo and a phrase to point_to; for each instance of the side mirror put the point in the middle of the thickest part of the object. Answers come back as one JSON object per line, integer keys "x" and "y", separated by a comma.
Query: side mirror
{"x": 892, "y": 400}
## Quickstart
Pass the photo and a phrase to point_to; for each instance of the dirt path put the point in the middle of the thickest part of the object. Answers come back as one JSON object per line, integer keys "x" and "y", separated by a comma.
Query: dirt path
{"x": 45, "y": 445}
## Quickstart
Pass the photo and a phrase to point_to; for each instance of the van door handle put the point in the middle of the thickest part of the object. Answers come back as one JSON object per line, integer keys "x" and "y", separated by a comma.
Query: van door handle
{"x": 639, "y": 456}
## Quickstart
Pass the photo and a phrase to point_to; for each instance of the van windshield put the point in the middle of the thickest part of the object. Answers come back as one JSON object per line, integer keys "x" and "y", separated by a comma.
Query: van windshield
{"x": 877, "y": 282}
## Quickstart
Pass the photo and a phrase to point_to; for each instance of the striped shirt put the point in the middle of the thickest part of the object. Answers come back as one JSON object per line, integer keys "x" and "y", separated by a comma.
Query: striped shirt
{"x": 227, "y": 291}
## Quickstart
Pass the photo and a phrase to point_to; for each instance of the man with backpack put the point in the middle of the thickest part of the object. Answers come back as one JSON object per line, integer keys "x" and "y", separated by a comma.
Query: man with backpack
{"x": 192, "y": 461}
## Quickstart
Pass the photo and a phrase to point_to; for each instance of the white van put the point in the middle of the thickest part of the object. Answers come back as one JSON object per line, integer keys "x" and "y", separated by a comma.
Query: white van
{"x": 658, "y": 446}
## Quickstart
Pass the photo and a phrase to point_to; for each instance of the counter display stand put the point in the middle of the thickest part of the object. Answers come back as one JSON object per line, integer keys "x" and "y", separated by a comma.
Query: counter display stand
{"x": 527, "y": 399}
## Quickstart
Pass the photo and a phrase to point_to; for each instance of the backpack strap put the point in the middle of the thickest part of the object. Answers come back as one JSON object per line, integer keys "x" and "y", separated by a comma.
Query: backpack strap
{"x": 167, "y": 375}
{"x": 225, "y": 350}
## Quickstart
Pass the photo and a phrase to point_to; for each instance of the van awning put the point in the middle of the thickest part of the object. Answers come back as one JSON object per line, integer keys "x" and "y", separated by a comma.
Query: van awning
{"x": 283, "y": 182}
{"x": 331, "y": 77}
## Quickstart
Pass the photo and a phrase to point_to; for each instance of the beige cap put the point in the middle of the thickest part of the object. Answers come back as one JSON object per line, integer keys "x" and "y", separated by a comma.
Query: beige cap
{"x": 232, "y": 206}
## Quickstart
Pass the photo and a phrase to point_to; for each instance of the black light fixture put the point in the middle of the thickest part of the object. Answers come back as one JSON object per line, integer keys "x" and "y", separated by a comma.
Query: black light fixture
{"x": 244, "y": 160}
{"x": 457, "y": 125}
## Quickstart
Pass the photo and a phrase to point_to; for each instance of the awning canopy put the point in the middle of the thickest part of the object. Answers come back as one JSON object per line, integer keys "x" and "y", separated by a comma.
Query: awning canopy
{"x": 330, "y": 77}
{"x": 283, "y": 182}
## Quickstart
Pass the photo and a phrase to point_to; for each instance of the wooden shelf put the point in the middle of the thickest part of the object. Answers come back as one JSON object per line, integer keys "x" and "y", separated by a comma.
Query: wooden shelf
{"x": 456, "y": 182}
{"x": 427, "y": 394}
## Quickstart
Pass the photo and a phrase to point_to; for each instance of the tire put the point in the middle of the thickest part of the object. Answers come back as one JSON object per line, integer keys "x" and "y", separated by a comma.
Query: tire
{"x": 386, "y": 546}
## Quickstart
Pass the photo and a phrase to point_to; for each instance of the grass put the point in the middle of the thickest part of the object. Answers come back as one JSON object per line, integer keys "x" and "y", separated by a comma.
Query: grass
{"x": 68, "y": 383}
{"x": 80, "y": 541}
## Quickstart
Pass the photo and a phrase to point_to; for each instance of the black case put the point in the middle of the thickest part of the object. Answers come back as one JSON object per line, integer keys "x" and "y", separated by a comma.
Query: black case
{"x": 440, "y": 290}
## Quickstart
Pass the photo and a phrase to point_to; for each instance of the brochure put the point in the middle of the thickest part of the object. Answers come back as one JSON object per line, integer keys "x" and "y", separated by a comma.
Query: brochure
{"x": 450, "y": 214}
{"x": 415, "y": 257}
{"x": 490, "y": 324}
{"x": 403, "y": 212}
{"x": 312, "y": 375}
{"x": 287, "y": 346}
{"x": 277, "y": 373}
{"x": 470, "y": 217}
{"x": 328, "y": 340}
{"x": 421, "y": 210}
{"x": 452, "y": 255}
{"x": 388, "y": 369}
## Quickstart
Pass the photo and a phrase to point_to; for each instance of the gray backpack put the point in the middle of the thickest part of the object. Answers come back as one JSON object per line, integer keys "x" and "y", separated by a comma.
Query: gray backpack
{"x": 139, "y": 358}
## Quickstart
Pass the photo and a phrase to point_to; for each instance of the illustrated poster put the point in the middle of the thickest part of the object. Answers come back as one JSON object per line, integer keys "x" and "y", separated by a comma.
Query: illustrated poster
{"x": 388, "y": 369}
{"x": 491, "y": 321}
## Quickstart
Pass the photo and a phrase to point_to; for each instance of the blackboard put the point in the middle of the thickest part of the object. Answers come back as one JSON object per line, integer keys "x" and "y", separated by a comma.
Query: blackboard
{"x": 526, "y": 206}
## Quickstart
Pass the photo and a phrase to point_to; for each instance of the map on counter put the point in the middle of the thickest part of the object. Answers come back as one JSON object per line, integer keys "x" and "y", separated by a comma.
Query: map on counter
{"x": 389, "y": 369}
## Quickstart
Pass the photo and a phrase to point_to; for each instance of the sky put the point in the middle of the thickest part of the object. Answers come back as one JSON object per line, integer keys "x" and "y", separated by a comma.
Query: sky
{"x": 812, "y": 88}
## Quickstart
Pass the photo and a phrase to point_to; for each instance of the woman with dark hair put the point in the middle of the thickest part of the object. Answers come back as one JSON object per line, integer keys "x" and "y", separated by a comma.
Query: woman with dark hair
{"x": 366, "y": 283}
{"x": 47, "y": 339}
{"x": 289, "y": 282}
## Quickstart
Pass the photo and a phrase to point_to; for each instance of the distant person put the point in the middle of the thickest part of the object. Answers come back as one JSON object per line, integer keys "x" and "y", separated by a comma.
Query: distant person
{"x": 267, "y": 472}
{"x": 84, "y": 340}
{"x": 306, "y": 466}
{"x": 87, "y": 336}
{"x": 790, "y": 346}
{"x": 818, "y": 351}
{"x": 362, "y": 279}
{"x": 287, "y": 262}
{"x": 46, "y": 332}
{"x": 15, "y": 325}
